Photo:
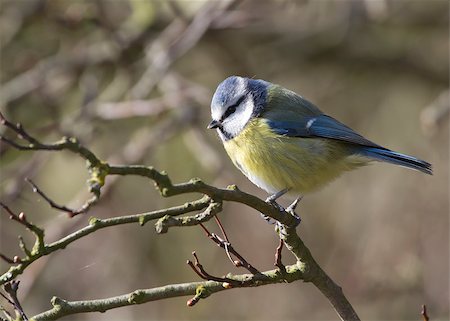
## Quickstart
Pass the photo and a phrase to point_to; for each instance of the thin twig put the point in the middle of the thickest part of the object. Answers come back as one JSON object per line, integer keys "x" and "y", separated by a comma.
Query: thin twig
{"x": 5, "y": 312}
{"x": 221, "y": 228}
{"x": 202, "y": 276}
{"x": 69, "y": 211}
{"x": 164, "y": 223}
{"x": 95, "y": 224}
{"x": 229, "y": 249}
{"x": 11, "y": 288}
{"x": 278, "y": 263}
{"x": 424, "y": 313}
{"x": 6, "y": 259}
{"x": 205, "y": 275}
{"x": 21, "y": 218}
{"x": 18, "y": 128}
{"x": 226, "y": 243}
{"x": 7, "y": 298}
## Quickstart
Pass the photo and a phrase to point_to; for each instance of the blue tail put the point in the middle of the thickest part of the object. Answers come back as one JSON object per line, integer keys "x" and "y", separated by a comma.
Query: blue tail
{"x": 386, "y": 155}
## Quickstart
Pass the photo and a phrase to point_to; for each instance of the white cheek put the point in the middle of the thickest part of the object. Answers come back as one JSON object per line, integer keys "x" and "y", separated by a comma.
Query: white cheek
{"x": 236, "y": 122}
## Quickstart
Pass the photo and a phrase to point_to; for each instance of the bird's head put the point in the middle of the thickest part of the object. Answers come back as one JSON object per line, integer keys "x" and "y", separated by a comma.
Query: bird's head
{"x": 236, "y": 101}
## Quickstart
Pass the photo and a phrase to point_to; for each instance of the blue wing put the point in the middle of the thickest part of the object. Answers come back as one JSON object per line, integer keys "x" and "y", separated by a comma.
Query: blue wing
{"x": 300, "y": 118}
{"x": 319, "y": 126}
{"x": 328, "y": 127}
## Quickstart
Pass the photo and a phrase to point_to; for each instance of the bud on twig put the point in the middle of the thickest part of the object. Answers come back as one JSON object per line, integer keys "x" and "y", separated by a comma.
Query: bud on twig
{"x": 22, "y": 217}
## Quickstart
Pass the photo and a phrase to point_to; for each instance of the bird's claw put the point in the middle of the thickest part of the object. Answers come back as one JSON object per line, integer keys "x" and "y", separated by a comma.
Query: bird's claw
{"x": 291, "y": 209}
{"x": 271, "y": 200}
{"x": 268, "y": 219}
{"x": 275, "y": 204}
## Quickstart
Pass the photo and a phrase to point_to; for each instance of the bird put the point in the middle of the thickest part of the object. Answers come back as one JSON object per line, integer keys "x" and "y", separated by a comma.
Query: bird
{"x": 285, "y": 144}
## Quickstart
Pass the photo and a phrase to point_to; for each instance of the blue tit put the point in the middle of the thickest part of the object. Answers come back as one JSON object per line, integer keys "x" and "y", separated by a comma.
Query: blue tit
{"x": 284, "y": 143}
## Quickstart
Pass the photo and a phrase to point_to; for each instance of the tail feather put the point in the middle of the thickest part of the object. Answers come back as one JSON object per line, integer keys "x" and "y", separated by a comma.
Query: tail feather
{"x": 386, "y": 155}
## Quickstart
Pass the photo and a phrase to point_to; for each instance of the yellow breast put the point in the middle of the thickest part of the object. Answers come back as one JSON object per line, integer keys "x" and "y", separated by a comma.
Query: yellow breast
{"x": 274, "y": 162}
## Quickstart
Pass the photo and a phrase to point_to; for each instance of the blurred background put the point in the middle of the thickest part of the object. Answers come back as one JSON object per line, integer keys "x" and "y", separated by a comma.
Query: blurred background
{"x": 133, "y": 81}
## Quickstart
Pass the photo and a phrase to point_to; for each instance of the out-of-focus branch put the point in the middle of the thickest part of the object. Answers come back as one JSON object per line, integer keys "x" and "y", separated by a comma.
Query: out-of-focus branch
{"x": 174, "y": 42}
{"x": 174, "y": 97}
{"x": 93, "y": 53}
{"x": 35, "y": 77}
{"x": 435, "y": 114}
{"x": 424, "y": 313}
{"x": 13, "y": 19}
{"x": 15, "y": 187}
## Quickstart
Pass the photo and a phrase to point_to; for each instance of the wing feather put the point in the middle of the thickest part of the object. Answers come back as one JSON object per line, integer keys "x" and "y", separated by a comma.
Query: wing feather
{"x": 319, "y": 126}
{"x": 289, "y": 114}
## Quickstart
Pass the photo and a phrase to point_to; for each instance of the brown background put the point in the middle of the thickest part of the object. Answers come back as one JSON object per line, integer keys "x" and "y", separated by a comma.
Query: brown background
{"x": 78, "y": 68}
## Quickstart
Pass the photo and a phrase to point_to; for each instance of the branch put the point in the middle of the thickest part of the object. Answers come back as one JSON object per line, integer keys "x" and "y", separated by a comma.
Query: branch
{"x": 37, "y": 251}
{"x": 72, "y": 212}
{"x": 231, "y": 193}
{"x": 308, "y": 268}
{"x": 313, "y": 273}
{"x": 201, "y": 272}
{"x": 163, "y": 224}
{"x": 94, "y": 225}
{"x": 95, "y": 166}
{"x": 226, "y": 245}
{"x": 201, "y": 290}
{"x": 278, "y": 263}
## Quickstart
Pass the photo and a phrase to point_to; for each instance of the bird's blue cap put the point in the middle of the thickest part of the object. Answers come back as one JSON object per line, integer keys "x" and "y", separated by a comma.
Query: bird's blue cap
{"x": 234, "y": 87}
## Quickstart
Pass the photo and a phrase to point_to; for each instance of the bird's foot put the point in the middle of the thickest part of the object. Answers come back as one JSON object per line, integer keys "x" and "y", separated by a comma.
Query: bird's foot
{"x": 280, "y": 228}
{"x": 271, "y": 200}
{"x": 291, "y": 209}
{"x": 275, "y": 204}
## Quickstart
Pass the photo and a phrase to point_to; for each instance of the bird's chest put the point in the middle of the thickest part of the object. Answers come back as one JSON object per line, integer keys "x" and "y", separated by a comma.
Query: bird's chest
{"x": 275, "y": 162}
{"x": 261, "y": 155}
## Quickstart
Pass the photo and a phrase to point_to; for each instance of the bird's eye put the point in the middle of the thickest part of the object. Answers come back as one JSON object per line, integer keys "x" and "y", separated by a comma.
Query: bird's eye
{"x": 231, "y": 109}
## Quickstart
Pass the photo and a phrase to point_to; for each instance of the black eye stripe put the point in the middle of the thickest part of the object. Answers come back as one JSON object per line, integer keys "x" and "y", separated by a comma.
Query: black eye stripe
{"x": 233, "y": 108}
{"x": 229, "y": 111}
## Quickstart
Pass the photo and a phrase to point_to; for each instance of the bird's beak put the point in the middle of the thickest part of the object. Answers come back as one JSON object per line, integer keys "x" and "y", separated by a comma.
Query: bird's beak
{"x": 213, "y": 124}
